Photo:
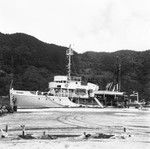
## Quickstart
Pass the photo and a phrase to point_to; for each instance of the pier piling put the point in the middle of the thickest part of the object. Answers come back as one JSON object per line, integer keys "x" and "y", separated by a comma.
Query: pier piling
{"x": 124, "y": 129}
{"x": 23, "y": 130}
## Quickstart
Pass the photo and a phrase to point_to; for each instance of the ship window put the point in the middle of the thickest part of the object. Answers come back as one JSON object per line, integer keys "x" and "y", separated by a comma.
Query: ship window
{"x": 90, "y": 91}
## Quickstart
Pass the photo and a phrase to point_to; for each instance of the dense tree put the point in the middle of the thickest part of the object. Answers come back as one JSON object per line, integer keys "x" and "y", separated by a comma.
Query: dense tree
{"x": 32, "y": 64}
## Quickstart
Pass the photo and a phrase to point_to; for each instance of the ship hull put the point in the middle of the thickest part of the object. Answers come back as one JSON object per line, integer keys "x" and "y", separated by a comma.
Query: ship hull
{"x": 27, "y": 100}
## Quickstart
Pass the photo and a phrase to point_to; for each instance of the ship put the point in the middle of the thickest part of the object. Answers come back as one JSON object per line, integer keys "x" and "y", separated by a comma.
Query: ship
{"x": 64, "y": 91}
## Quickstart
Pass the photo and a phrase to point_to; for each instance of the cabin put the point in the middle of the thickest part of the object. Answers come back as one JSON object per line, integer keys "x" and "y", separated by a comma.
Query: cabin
{"x": 74, "y": 87}
{"x": 112, "y": 98}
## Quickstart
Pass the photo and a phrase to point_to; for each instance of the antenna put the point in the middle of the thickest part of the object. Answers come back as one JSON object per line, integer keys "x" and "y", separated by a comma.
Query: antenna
{"x": 69, "y": 53}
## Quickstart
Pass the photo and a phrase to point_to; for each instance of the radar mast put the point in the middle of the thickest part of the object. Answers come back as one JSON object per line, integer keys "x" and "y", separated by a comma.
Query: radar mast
{"x": 69, "y": 53}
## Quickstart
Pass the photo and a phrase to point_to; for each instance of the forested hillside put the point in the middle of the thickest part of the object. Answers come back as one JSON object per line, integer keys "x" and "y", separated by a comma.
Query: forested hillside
{"x": 32, "y": 64}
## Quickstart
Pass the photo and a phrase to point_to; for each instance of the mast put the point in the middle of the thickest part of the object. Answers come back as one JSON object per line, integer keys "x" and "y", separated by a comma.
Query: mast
{"x": 119, "y": 74}
{"x": 69, "y": 53}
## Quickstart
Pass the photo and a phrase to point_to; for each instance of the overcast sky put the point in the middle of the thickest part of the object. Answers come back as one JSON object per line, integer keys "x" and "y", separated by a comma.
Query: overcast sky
{"x": 89, "y": 25}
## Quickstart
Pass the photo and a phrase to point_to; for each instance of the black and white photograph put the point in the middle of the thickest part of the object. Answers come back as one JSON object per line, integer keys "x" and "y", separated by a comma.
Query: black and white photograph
{"x": 74, "y": 74}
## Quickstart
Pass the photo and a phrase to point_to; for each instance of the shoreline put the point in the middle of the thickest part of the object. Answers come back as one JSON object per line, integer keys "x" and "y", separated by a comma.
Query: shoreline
{"x": 83, "y": 109}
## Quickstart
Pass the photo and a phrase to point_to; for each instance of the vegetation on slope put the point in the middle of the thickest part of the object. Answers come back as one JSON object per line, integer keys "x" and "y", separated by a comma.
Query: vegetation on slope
{"x": 33, "y": 63}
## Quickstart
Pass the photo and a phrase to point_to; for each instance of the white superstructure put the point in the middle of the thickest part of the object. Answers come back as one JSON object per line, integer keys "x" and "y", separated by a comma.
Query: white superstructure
{"x": 72, "y": 88}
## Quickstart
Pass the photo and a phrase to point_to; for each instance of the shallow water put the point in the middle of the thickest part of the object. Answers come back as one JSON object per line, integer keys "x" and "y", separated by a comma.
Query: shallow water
{"x": 76, "y": 121}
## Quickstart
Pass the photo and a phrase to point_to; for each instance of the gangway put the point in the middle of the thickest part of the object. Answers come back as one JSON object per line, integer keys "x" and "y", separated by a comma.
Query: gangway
{"x": 98, "y": 102}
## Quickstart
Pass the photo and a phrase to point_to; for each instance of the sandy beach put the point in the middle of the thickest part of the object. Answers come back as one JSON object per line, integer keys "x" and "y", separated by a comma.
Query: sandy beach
{"x": 74, "y": 122}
